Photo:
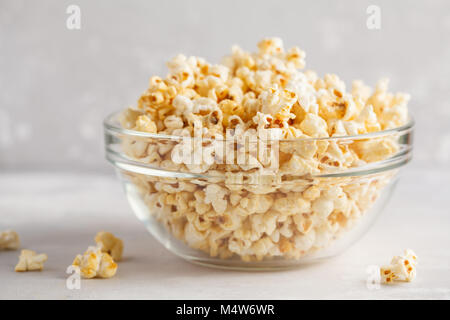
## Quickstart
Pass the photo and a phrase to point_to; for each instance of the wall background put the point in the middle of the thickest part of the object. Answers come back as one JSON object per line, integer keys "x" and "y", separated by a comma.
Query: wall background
{"x": 56, "y": 85}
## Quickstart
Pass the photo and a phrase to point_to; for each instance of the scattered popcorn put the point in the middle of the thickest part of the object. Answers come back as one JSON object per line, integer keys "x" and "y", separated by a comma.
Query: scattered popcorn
{"x": 30, "y": 261}
{"x": 9, "y": 240}
{"x": 109, "y": 244}
{"x": 143, "y": 123}
{"x": 402, "y": 268}
{"x": 95, "y": 263}
{"x": 263, "y": 96}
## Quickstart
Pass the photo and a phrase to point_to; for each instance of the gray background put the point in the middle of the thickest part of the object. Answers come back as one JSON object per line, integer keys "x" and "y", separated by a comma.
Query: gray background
{"x": 56, "y": 85}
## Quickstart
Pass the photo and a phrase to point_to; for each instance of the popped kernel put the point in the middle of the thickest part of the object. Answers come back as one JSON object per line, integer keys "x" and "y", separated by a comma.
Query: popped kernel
{"x": 108, "y": 243}
{"x": 401, "y": 268}
{"x": 387, "y": 274}
{"x": 145, "y": 124}
{"x": 262, "y": 96}
{"x": 9, "y": 240}
{"x": 30, "y": 261}
{"x": 95, "y": 263}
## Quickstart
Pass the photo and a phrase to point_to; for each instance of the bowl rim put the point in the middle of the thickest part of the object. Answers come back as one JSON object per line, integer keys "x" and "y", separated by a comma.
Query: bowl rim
{"x": 111, "y": 124}
{"x": 122, "y": 162}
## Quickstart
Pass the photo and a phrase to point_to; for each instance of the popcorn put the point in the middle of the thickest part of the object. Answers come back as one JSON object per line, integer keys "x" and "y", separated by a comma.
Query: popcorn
{"x": 297, "y": 57}
{"x": 303, "y": 223}
{"x": 271, "y": 46}
{"x": 304, "y": 242}
{"x": 144, "y": 124}
{"x": 183, "y": 104}
{"x": 273, "y": 204}
{"x": 95, "y": 263}
{"x": 409, "y": 254}
{"x": 268, "y": 81}
{"x": 374, "y": 149}
{"x": 405, "y": 266}
{"x": 30, "y": 261}
{"x": 314, "y": 126}
{"x": 9, "y": 240}
{"x": 298, "y": 165}
{"x": 322, "y": 207}
{"x": 214, "y": 195}
{"x": 129, "y": 117}
{"x": 387, "y": 274}
{"x": 173, "y": 122}
{"x": 108, "y": 243}
{"x": 402, "y": 268}
{"x": 275, "y": 101}
{"x": 230, "y": 108}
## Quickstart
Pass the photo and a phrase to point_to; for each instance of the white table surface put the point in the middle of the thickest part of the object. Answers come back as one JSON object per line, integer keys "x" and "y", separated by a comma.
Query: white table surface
{"x": 59, "y": 214}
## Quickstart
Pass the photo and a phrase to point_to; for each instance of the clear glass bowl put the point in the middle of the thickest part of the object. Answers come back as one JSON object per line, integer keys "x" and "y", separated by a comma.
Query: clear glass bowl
{"x": 221, "y": 214}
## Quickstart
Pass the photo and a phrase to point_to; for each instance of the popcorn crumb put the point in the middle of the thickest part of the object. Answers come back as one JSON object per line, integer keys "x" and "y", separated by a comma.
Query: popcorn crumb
{"x": 95, "y": 263}
{"x": 110, "y": 244}
{"x": 9, "y": 240}
{"x": 30, "y": 261}
{"x": 402, "y": 268}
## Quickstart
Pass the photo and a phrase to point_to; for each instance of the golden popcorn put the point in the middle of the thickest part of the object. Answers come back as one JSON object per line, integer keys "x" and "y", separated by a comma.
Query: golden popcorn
{"x": 108, "y": 243}
{"x": 30, "y": 261}
{"x": 402, "y": 268}
{"x": 143, "y": 123}
{"x": 387, "y": 275}
{"x": 95, "y": 263}
{"x": 273, "y": 204}
{"x": 9, "y": 240}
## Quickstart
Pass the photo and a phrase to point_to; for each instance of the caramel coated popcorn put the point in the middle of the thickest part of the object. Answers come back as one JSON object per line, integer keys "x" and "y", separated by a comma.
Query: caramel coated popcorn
{"x": 271, "y": 204}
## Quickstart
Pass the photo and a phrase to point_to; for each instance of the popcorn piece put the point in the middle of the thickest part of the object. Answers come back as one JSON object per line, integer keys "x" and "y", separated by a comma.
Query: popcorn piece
{"x": 375, "y": 149}
{"x": 322, "y": 207}
{"x": 30, "y": 261}
{"x": 405, "y": 266}
{"x": 214, "y": 195}
{"x": 143, "y": 123}
{"x": 129, "y": 117}
{"x": 314, "y": 126}
{"x": 409, "y": 254}
{"x": 273, "y": 85}
{"x": 402, "y": 268}
{"x": 271, "y": 46}
{"x": 108, "y": 243}
{"x": 9, "y": 240}
{"x": 277, "y": 102}
{"x": 95, "y": 263}
{"x": 183, "y": 104}
{"x": 296, "y": 56}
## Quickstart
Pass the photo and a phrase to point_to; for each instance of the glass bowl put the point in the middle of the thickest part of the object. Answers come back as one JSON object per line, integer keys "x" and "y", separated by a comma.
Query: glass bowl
{"x": 280, "y": 211}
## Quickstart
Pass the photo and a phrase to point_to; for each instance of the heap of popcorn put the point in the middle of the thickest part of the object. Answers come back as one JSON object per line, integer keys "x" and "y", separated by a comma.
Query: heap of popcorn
{"x": 254, "y": 209}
